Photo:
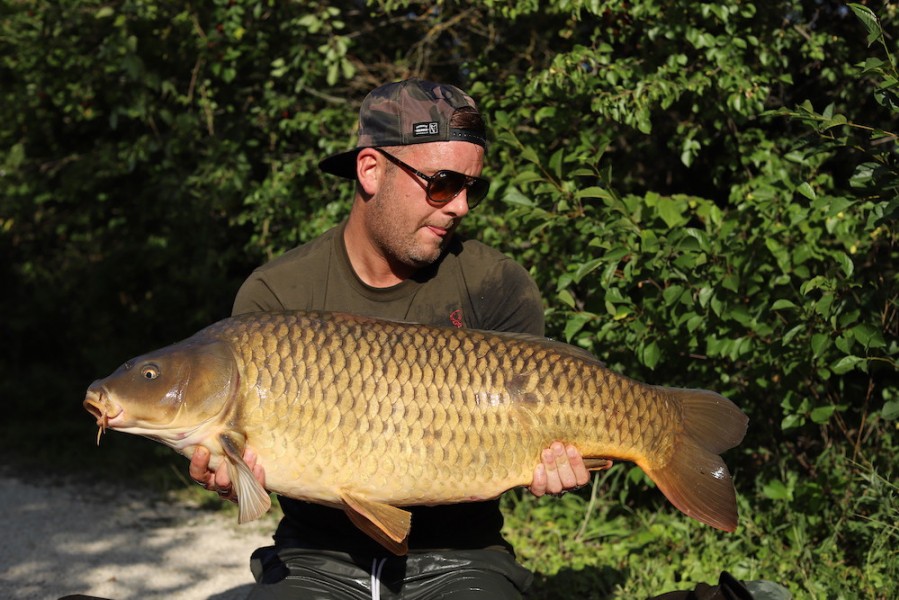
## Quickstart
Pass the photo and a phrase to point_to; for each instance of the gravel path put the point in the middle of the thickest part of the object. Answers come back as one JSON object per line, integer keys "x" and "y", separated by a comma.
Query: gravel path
{"x": 96, "y": 540}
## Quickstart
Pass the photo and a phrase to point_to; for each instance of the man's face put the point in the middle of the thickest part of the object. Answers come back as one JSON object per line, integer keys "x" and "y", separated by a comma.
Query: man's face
{"x": 402, "y": 222}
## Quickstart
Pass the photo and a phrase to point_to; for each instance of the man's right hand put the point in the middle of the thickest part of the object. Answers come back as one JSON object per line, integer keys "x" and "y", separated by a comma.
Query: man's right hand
{"x": 219, "y": 481}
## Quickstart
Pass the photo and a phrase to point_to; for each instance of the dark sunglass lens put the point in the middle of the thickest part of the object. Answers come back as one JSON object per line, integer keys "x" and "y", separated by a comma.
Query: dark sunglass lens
{"x": 445, "y": 186}
{"x": 477, "y": 191}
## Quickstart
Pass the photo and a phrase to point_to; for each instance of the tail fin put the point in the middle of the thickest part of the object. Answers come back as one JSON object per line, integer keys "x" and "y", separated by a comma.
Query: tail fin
{"x": 695, "y": 479}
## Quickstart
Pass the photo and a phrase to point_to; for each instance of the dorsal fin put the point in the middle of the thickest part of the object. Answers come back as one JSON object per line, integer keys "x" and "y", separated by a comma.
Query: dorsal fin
{"x": 549, "y": 343}
{"x": 555, "y": 345}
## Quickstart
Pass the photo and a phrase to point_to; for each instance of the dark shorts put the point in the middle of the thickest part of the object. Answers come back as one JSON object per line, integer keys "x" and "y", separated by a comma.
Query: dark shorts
{"x": 302, "y": 574}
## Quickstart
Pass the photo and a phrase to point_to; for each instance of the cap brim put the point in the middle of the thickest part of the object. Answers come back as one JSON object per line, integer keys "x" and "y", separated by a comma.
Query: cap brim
{"x": 342, "y": 165}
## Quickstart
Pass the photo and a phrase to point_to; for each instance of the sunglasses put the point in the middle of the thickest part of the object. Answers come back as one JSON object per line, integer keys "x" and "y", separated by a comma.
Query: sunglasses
{"x": 445, "y": 185}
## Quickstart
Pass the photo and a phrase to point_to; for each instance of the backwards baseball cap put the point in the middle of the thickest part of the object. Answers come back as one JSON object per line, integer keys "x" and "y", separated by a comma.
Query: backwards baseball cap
{"x": 413, "y": 111}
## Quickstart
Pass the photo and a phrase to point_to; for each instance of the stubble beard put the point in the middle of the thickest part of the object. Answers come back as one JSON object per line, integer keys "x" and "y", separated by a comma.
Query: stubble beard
{"x": 398, "y": 240}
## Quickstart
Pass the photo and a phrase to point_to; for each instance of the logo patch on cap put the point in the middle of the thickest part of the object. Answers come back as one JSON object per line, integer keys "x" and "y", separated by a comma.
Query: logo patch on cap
{"x": 430, "y": 128}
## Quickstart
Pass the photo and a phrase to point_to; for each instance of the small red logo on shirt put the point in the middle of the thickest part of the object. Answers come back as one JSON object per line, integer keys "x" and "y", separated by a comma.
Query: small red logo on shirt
{"x": 456, "y": 318}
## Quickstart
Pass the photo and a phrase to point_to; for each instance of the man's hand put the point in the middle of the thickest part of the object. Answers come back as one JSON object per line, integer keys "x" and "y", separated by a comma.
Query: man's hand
{"x": 562, "y": 469}
{"x": 218, "y": 481}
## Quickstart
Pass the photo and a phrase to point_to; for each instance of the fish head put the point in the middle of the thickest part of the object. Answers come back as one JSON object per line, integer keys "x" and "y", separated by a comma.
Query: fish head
{"x": 167, "y": 394}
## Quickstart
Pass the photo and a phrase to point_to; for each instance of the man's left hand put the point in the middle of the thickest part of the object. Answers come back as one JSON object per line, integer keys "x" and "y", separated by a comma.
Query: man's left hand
{"x": 562, "y": 470}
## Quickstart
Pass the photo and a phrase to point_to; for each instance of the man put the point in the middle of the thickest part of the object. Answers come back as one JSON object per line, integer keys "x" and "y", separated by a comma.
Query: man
{"x": 417, "y": 167}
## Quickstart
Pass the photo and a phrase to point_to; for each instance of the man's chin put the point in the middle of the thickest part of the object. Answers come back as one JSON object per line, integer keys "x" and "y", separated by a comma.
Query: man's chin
{"x": 432, "y": 250}
{"x": 425, "y": 258}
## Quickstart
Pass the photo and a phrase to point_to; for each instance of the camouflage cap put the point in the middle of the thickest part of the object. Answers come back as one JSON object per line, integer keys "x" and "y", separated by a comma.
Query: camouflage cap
{"x": 413, "y": 111}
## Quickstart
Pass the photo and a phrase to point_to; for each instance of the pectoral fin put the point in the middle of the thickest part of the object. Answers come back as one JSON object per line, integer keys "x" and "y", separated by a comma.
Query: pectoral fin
{"x": 252, "y": 498}
{"x": 386, "y": 524}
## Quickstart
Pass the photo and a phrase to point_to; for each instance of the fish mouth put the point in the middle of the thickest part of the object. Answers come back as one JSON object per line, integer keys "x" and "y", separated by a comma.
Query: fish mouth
{"x": 98, "y": 404}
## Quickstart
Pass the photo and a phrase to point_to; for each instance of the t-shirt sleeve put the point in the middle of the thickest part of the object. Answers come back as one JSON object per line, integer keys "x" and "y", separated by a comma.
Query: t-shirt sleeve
{"x": 287, "y": 282}
{"x": 255, "y": 295}
{"x": 509, "y": 300}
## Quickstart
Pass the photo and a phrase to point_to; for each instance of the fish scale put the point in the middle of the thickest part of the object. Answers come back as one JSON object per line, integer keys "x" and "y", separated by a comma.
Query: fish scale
{"x": 372, "y": 415}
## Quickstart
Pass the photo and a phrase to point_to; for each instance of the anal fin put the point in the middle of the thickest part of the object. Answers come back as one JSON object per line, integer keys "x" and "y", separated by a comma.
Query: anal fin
{"x": 252, "y": 498}
{"x": 597, "y": 464}
{"x": 386, "y": 524}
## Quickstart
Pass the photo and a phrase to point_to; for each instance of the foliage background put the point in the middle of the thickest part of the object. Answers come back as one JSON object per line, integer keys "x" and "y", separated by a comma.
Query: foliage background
{"x": 706, "y": 193}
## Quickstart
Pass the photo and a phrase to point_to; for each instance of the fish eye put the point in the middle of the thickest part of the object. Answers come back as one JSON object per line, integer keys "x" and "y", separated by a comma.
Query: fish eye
{"x": 149, "y": 371}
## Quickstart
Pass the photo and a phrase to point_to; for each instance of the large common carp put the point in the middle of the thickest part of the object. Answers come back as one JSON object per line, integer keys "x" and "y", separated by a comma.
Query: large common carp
{"x": 371, "y": 415}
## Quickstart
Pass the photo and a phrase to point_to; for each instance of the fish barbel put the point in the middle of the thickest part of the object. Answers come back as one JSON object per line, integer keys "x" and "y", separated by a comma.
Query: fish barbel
{"x": 371, "y": 415}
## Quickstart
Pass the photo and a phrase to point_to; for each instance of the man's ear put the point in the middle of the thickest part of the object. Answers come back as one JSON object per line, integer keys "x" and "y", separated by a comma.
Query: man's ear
{"x": 368, "y": 171}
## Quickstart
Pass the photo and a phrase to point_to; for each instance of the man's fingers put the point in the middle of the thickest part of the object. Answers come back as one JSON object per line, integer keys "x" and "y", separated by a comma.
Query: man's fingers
{"x": 555, "y": 461}
{"x": 219, "y": 481}
{"x": 567, "y": 477}
{"x": 581, "y": 474}
{"x": 538, "y": 485}
{"x": 249, "y": 457}
{"x": 562, "y": 469}
{"x": 259, "y": 474}
{"x": 199, "y": 465}
{"x": 222, "y": 477}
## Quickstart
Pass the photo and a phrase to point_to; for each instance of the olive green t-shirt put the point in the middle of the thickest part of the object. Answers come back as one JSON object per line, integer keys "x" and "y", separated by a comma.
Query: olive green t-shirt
{"x": 471, "y": 285}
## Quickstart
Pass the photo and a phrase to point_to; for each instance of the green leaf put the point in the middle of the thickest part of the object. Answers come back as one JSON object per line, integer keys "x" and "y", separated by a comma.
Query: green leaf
{"x": 869, "y": 20}
{"x": 872, "y": 64}
{"x": 834, "y": 121}
{"x": 672, "y": 294}
{"x": 593, "y": 192}
{"x": 694, "y": 322}
{"x": 890, "y": 410}
{"x": 822, "y": 414}
{"x": 788, "y": 336}
{"x": 846, "y": 364}
{"x": 514, "y": 196}
{"x": 792, "y": 421}
{"x": 566, "y": 298}
{"x": 650, "y": 355}
{"x": 820, "y": 342}
{"x": 806, "y": 190}
{"x": 529, "y": 154}
{"x": 731, "y": 282}
{"x": 863, "y": 175}
{"x": 776, "y": 490}
{"x": 527, "y": 176}
{"x": 555, "y": 162}
{"x": 644, "y": 122}
{"x": 545, "y": 112}
{"x": 575, "y": 323}
{"x": 587, "y": 268}
{"x": 868, "y": 336}
{"x": 671, "y": 212}
{"x": 782, "y": 304}
{"x": 846, "y": 263}
{"x": 844, "y": 344}
{"x": 824, "y": 305}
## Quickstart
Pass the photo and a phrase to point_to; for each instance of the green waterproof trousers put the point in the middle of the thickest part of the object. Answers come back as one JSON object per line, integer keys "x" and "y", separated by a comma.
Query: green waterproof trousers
{"x": 305, "y": 574}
